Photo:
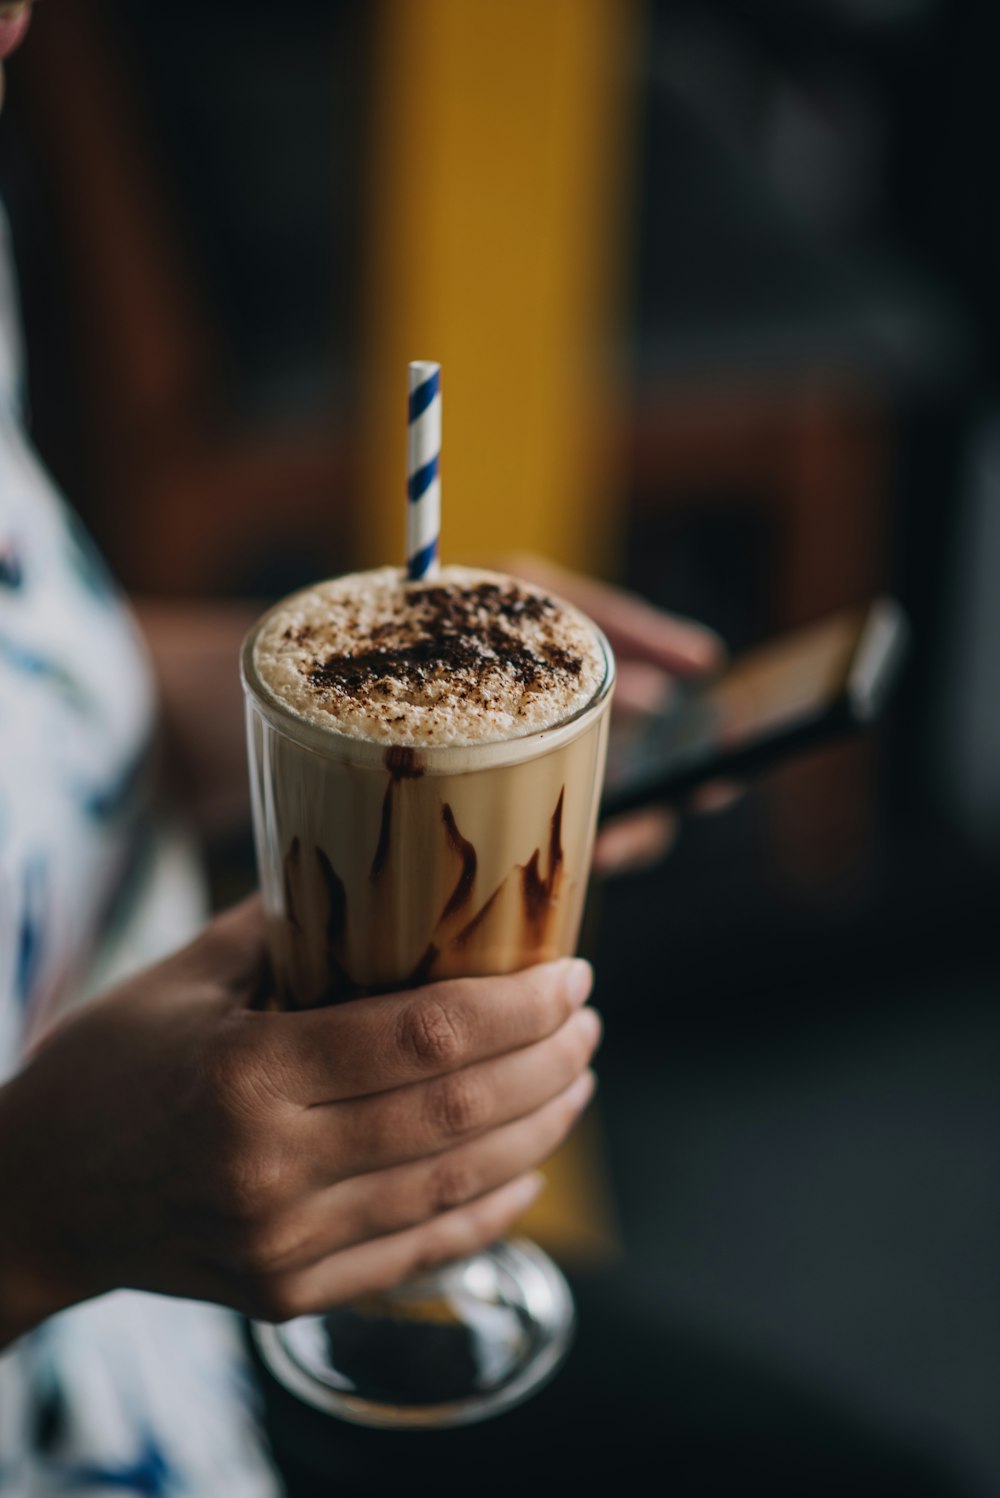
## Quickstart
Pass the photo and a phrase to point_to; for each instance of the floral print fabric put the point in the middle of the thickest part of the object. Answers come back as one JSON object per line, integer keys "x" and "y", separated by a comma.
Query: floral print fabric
{"x": 131, "y": 1393}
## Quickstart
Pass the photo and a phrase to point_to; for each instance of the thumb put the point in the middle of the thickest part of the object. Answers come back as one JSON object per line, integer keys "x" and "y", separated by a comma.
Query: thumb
{"x": 233, "y": 947}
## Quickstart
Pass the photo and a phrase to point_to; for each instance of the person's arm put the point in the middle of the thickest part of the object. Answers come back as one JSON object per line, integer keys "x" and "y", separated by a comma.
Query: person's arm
{"x": 171, "y": 1137}
{"x": 195, "y": 648}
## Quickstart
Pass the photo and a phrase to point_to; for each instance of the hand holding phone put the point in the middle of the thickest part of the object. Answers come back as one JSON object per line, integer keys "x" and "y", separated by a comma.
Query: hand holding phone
{"x": 801, "y": 689}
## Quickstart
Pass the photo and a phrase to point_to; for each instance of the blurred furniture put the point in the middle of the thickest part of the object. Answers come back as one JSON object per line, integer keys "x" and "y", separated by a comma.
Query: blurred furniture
{"x": 192, "y": 496}
{"x": 492, "y": 221}
{"x": 770, "y": 373}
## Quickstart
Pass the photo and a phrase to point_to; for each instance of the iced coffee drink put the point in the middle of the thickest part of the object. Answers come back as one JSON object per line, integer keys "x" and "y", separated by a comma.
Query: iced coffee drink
{"x": 426, "y": 762}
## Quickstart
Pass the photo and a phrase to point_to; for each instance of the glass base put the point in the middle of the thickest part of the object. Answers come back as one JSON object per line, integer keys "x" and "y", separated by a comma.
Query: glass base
{"x": 453, "y": 1347}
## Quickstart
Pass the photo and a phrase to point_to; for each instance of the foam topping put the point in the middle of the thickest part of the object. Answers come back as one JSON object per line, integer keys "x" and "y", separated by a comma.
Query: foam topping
{"x": 473, "y": 657}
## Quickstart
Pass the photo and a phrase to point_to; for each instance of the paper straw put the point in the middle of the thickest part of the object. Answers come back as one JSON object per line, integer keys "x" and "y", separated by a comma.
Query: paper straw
{"x": 423, "y": 487}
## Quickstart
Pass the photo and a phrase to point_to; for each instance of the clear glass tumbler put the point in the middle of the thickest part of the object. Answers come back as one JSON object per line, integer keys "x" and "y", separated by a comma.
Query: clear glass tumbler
{"x": 385, "y": 867}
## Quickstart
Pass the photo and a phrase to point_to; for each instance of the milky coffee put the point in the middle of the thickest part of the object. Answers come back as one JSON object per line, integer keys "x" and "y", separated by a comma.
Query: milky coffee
{"x": 426, "y": 762}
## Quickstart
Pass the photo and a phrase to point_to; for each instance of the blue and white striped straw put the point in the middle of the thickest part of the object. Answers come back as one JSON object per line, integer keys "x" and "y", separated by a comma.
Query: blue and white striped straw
{"x": 423, "y": 486}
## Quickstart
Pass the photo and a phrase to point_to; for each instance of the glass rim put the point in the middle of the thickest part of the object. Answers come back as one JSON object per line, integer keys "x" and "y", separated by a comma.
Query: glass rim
{"x": 429, "y": 759}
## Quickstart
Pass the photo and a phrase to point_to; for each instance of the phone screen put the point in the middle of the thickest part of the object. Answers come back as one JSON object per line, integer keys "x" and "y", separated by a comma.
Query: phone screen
{"x": 779, "y": 686}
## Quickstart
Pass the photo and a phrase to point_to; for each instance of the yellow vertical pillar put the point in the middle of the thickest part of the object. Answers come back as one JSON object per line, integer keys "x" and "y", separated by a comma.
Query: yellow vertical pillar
{"x": 499, "y": 198}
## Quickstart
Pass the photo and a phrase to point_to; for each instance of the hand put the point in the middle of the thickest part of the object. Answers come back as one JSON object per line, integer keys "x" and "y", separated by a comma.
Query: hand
{"x": 169, "y": 1137}
{"x": 651, "y": 648}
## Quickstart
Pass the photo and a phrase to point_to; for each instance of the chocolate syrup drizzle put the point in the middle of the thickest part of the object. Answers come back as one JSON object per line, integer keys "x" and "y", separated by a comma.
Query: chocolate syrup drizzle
{"x": 538, "y": 893}
{"x": 462, "y": 892}
{"x": 336, "y": 897}
{"x": 401, "y": 762}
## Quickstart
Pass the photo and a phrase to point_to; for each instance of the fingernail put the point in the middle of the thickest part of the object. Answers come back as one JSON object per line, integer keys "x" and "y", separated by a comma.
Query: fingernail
{"x": 582, "y": 1091}
{"x": 529, "y": 1188}
{"x": 579, "y": 981}
{"x": 589, "y": 1021}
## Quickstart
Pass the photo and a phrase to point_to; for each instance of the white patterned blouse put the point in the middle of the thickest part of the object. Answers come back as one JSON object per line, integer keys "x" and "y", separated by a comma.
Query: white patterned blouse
{"x": 131, "y": 1393}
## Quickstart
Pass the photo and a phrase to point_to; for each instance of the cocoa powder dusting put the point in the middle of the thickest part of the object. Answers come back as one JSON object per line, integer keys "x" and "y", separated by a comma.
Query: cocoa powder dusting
{"x": 474, "y": 657}
{"x": 467, "y": 632}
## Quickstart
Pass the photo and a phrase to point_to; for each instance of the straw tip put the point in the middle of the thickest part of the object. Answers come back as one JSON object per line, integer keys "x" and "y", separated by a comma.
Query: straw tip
{"x": 422, "y": 369}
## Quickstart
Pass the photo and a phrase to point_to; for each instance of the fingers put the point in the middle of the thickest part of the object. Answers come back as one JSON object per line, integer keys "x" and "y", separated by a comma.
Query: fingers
{"x": 233, "y": 947}
{"x": 426, "y": 1118}
{"x": 632, "y": 843}
{"x": 647, "y": 634}
{"x": 718, "y": 795}
{"x": 374, "y": 1045}
{"x": 635, "y": 842}
{"x": 384, "y": 1262}
{"x": 634, "y": 627}
{"x": 403, "y": 1196}
{"x": 641, "y": 687}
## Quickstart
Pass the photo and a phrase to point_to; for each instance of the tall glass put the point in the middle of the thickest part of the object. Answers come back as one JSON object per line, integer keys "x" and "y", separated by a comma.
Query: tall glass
{"x": 385, "y": 867}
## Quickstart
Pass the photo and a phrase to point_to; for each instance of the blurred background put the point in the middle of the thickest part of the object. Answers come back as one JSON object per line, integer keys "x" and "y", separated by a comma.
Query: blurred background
{"x": 715, "y": 290}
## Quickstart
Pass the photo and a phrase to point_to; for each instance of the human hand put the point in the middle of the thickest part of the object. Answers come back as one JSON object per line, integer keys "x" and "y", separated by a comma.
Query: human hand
{"x": 170, "y": 1137}
{"x": 652, "y": 649}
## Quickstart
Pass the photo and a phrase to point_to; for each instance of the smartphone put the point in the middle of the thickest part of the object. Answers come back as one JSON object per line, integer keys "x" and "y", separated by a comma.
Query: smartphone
{"x": 804, "y": 688}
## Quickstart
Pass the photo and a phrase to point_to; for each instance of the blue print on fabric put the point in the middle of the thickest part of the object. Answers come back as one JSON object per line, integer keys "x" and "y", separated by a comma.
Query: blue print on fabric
{"x": 151, "y": 1475}
{"x": 11, "y": 571}
{"x": 120, "y": 794}
{"x": 29, "y": 663}
{"x": 29, "y": 941}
